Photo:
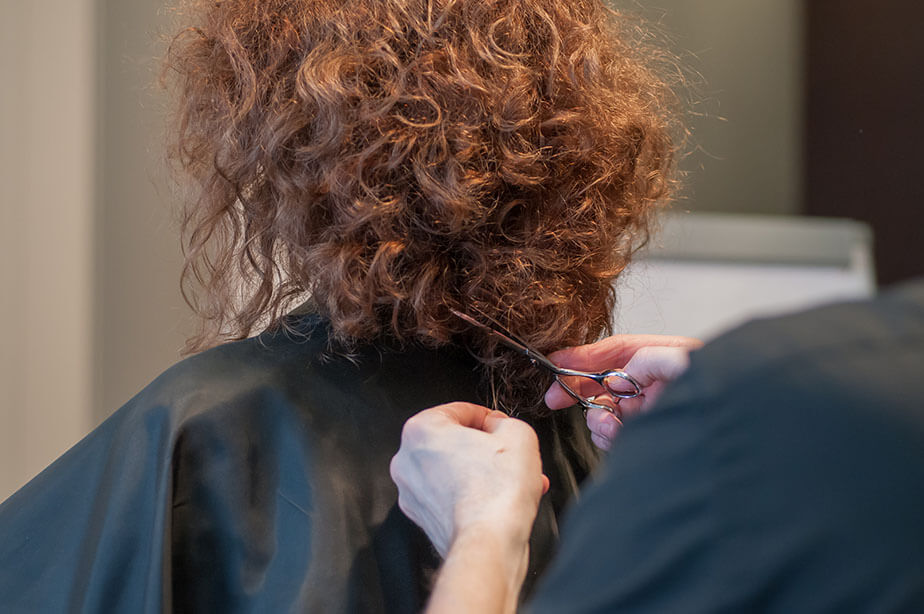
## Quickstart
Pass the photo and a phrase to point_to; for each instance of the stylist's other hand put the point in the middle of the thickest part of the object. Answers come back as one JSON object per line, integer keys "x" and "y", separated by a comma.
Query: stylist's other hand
{"x": 653, "y": 360}
{"x": 464, "y": 469}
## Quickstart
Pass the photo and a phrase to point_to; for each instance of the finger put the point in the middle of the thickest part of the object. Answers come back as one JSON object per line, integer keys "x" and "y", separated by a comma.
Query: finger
{"x": 643, "y": 402}
{"x": 463, "y": 414}
{"x": 601, "y": 442}
{"x": 602, "y": 423}
{"x": 657, "y": 364}
{"x": 630, "y": 407}
{"x": 615, "y": 351}
{"x": 394, "y": 468}
{"x": 545, "y": 483}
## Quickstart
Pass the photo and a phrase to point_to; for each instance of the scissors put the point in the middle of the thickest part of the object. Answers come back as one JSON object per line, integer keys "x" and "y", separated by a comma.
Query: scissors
{"x": 604, "y": 378}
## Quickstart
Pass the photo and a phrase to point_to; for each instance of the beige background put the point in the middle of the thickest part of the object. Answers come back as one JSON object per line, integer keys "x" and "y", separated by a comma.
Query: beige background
{"x": 46, "y": 230}
{"x": 89, "y": 259}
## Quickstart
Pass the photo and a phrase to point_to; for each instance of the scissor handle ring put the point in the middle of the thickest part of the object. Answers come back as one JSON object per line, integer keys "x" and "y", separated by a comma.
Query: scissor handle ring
{"x": 623, "y": 376}
{"x": 601, "y": 378}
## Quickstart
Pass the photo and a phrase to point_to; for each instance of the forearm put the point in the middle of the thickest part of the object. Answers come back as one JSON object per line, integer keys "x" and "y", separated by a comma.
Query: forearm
{"x": 483, "y": 572}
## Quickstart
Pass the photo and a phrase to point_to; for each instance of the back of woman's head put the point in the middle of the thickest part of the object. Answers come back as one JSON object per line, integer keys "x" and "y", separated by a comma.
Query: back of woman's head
{"x": 394, "y": 159}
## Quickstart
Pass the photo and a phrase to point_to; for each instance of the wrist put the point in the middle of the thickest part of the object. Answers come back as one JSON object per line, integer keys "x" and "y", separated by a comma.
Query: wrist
{"x": 489, "y": 557}
{"x": 507, "y": 540}
{"x": 507, "y": 521}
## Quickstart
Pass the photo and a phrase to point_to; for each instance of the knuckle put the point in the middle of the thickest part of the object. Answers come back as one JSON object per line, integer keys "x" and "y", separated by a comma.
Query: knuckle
{"x": 394, "y": 468}
{"x": 525, "y": 432}
{"x": 403, "y": 505}
{"x": 414, "y": 429}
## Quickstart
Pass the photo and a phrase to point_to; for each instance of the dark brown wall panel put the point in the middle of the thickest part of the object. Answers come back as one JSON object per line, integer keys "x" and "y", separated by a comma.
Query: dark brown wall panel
{"x": 865, "y": 123}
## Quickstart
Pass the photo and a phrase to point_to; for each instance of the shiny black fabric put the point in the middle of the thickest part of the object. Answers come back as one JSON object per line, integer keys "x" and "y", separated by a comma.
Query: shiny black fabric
{"x": 252, "y": 478}
{"x": 784, "y": 472}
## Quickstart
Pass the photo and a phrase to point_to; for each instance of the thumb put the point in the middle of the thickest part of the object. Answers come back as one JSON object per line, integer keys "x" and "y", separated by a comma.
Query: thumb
{"x": 463, "y": 414}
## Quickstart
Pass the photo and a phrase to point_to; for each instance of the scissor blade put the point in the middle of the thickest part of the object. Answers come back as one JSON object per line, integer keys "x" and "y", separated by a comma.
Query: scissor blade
{"x": 496, "y": 333}
{"x": 508, "y": 338}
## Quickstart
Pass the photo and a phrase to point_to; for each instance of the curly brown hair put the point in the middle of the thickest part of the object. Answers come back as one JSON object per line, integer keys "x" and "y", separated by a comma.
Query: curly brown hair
{"x": 396, "y": 159}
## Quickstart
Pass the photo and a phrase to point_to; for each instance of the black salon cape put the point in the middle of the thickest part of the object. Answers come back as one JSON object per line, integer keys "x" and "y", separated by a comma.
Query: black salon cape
{"x": 252, "y": 478}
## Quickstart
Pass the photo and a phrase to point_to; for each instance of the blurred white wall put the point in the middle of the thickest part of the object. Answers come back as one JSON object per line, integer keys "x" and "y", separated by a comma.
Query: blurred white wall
{"x": 708, "y": 272}
{"x": 48, "y": 68}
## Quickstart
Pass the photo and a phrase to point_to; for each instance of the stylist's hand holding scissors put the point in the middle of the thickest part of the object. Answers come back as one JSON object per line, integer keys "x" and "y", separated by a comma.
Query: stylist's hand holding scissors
{"x": 652, "y": 360}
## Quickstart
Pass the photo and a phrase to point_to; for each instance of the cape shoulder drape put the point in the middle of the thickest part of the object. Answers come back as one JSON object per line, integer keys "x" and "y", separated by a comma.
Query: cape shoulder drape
{"x": 253, "y": 477}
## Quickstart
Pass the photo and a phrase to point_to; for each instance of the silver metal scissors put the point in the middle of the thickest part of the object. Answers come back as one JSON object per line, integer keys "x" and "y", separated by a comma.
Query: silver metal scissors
{"x": 603, "y": 378}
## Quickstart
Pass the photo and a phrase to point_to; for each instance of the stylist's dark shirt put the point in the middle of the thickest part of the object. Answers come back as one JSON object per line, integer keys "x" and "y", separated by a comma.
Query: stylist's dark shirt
{"x": 784, "y": 472}
{"x": 252, "y": 478}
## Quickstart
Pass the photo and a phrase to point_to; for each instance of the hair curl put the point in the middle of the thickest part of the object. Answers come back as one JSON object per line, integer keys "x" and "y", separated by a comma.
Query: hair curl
{"x": 394, "y": 159}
